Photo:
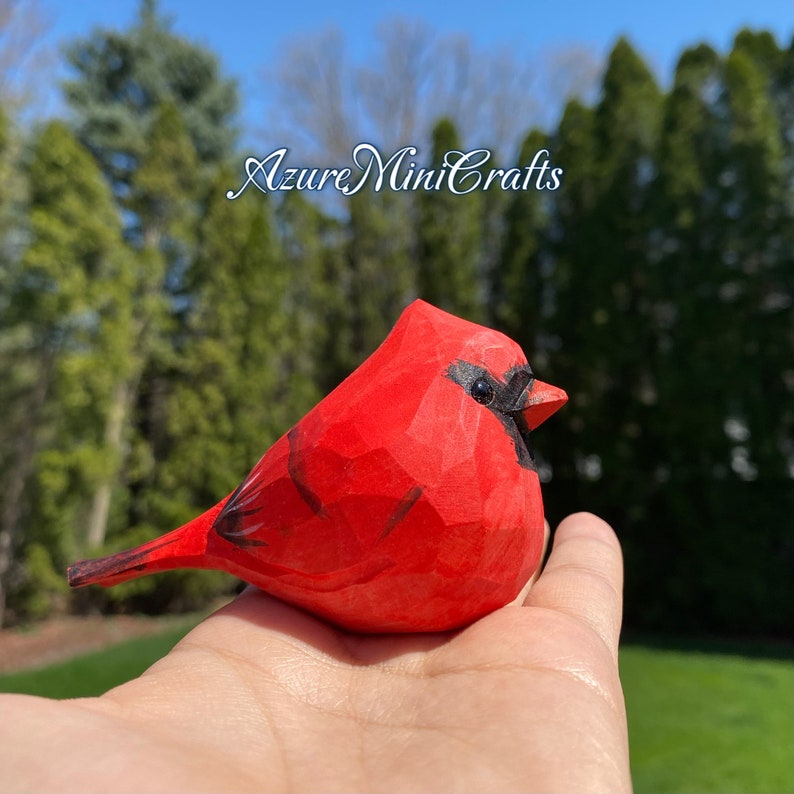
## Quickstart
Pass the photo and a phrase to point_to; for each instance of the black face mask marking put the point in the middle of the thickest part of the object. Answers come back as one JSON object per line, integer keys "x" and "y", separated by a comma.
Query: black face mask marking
{"x": 506, "y": 401}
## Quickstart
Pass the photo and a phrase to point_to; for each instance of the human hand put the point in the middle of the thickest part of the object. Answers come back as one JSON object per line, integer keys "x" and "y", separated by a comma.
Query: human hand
{"x": 263, "y": 697}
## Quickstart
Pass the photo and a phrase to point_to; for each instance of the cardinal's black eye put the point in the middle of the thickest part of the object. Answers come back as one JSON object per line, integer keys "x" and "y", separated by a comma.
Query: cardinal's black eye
{"x": 482, "y": 391}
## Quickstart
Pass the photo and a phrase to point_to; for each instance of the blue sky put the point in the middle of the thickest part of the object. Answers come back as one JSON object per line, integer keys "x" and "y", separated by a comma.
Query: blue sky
{"x": 248, "y": 35}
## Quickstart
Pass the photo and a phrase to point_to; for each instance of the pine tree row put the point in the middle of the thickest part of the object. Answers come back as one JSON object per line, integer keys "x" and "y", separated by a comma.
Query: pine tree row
{"x": 156, "y": 337}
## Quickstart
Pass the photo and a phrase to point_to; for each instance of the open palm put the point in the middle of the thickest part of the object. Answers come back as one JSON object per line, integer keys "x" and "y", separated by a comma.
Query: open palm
{"x": 263, "y": 697}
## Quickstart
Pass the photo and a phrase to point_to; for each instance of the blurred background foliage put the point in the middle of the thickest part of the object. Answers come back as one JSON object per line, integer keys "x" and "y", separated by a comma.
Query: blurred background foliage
{"x": 156, "y": 337}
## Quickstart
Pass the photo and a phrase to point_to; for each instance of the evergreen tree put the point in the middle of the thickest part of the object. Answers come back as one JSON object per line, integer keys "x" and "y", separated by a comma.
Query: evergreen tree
{"x": 243, "y": 374}
{"x": 156, "y": 337}
{"x": 155, "y": 111}
{"x": 122, "y": 81}
{"x": 599, "y": 287}
{"x": 448, "y": 236}
{"x": 759, "y": 260}
{"x": 163, "y": 189}
{"x": 239, "y": 380}
{"x": 694, "y": 339}
{"x": 572, "y": 285}
{"x": 64, "y": 294}
{"x": 15, "y": 370}
{"x": 718, "y": 309}
{"x": 757, "y": 248}
{"x": 517, "y": 294}
{"x": 313, "y": 253}
{"x": 618, "y": 344}
{"x": 380, "y": 276}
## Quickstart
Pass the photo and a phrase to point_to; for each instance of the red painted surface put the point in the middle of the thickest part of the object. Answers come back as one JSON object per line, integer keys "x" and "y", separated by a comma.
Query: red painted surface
{"x": 401, "y": 502}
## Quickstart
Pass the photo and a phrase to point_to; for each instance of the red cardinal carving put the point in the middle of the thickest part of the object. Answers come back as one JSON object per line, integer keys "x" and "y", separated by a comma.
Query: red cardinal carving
{"x": 406, "y": 500}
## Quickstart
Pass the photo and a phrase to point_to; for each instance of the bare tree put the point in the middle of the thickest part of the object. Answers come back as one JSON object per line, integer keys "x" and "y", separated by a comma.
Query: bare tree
{"x": 22, "y": 58}
{"x": 394, "y": 90}
{"x": 313, "y": 101}
{"x": 574, "y": 71}
{"x": 323, "y": 104}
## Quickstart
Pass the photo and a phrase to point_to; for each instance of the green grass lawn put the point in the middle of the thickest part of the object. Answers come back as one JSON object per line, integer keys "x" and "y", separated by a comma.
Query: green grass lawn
{"x": 709, "y": 722}
{"x": 698, "y": 722}
{"x": 95, "y": 672}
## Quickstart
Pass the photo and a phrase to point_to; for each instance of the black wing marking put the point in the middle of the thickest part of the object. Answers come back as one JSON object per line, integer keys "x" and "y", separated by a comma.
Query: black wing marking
{"x": 233, "y": 523}
{"x": 297, "y": 472}
{"x": 412, "y": 496}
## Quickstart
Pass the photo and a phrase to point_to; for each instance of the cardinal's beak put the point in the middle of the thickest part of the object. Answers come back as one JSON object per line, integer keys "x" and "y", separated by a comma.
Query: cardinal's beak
{"x": 542, "y": 400}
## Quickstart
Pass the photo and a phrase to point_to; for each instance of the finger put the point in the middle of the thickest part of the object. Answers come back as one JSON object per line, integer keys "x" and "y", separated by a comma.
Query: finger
{"x": 584, "y": 576}
{"x": 522, "y": 596}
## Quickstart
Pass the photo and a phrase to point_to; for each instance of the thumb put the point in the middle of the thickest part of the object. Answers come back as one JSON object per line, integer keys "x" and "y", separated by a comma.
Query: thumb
{"x": 584, "y": 576}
